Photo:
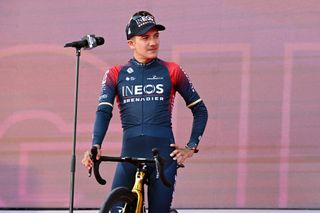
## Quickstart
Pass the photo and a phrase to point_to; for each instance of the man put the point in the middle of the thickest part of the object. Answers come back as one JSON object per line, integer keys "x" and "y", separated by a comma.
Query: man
{"x": 144, "y": 89}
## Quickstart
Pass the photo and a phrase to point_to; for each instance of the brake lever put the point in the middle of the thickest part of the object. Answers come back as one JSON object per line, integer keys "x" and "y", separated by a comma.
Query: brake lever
{"x": 160, "y": 168}
{"x": 157, "y": 167}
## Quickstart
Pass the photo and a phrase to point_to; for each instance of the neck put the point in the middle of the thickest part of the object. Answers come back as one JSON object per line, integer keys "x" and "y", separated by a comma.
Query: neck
{"x": 142, "y": 60}
{"x": 145, "y": 62}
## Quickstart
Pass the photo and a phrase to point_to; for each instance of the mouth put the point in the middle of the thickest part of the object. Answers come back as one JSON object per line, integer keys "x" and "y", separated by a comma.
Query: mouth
{"x": 152, "y": 50}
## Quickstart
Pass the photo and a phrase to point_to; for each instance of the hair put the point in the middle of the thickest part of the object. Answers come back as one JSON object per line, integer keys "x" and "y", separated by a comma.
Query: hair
{"x": 142, "y": 13}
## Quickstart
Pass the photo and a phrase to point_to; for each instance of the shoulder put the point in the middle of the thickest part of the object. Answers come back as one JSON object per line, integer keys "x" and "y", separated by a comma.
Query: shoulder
{"x": 173, "y": 67}
{"x": 115, "y": 69}
{"x": 112, "y": 74}
{"x": 169, "y": 64}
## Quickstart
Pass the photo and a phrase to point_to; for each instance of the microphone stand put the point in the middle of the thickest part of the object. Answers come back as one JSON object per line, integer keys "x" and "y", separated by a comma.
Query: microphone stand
{"x": 73, "y": 158}
{"x": 89, "y": 41}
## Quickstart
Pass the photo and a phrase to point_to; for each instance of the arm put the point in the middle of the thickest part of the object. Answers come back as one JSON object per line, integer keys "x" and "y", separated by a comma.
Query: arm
{"x": 103, "y": 113}
{"x": 200, "y": 118}
{"x": 101, "y": 124}
{"x": 200, "y": 115}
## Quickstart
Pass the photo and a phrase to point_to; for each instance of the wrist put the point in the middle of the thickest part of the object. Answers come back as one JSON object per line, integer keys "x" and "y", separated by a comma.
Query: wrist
{"x": 193, "y": 148}
{"x": 97, "y": 145}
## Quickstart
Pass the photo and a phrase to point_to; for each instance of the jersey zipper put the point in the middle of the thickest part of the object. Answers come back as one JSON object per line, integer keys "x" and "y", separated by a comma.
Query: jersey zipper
{"x": 142, "y": 102}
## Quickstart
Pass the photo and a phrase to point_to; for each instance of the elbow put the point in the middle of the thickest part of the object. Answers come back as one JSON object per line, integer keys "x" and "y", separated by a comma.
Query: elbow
{"x": 205, "y": 112}
{"x": 200, "y": 110}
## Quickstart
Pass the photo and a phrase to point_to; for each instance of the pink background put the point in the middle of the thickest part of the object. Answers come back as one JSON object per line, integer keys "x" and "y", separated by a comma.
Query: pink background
{"x": 255, "y": 63}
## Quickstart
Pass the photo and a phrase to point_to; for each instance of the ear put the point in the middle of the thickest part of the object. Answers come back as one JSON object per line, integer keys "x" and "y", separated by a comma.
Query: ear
{"x": 131, "y": 44}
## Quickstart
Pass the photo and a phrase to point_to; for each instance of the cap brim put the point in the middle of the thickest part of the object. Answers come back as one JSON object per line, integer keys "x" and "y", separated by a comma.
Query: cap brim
{"x": 159, "y": 27}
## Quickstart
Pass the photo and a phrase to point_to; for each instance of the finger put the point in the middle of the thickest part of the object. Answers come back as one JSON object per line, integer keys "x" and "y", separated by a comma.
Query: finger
{"x": 84, "y": 160}
{"x": 89, "y": 164}
{"x": 179, "y": 160}
{"x": 174, "y": 158}
{"x": 174, "y": 153}
{"x": 175, "y": 146}
{"x": 178, "y": 155}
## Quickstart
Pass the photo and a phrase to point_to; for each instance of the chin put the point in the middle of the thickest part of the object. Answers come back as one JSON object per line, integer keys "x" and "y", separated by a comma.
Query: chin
{"x": 152, "y": 56}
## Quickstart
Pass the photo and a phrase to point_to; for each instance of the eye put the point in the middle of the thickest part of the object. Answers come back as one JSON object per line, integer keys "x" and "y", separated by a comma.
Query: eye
{"x": 144, "y": 37}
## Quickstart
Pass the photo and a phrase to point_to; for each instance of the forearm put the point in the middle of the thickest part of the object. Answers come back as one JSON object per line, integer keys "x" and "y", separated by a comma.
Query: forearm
{"x": 101, "y": 124}
{"x": 200, "y": 118}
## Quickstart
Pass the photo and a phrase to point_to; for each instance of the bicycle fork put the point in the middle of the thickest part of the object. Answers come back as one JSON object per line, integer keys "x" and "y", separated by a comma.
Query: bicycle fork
{"x": 138, "y": 188}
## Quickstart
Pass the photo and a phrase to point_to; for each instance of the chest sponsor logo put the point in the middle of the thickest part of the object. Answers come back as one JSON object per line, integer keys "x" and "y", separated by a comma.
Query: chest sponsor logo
{"x": 138, "y": 93}
{"x": 137, "y": 90}
{"x": 155, "y": 78}
{"x": 130, "y": 78}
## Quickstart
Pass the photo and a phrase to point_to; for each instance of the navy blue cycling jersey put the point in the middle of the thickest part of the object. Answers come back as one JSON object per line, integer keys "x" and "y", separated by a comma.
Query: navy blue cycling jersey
{"x": 145, "y": 95}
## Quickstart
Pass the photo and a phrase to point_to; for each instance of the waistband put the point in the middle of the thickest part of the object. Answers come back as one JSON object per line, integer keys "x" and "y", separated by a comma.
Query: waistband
{"x": 148, "y": 130}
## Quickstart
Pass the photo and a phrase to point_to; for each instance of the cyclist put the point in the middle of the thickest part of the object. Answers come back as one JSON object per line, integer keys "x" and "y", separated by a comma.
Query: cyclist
{"x": 144, "y": 90}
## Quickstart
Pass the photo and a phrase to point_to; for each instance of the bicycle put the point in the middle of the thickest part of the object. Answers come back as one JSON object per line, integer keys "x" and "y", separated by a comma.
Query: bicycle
{"x": 132, "y": 200}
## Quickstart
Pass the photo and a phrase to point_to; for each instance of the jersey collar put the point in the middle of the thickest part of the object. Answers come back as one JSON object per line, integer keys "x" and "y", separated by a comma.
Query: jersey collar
{"x": 135, "y": 62}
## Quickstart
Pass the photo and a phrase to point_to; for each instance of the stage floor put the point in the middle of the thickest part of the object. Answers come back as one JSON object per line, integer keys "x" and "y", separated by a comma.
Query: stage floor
{"x": 180, "y": 211}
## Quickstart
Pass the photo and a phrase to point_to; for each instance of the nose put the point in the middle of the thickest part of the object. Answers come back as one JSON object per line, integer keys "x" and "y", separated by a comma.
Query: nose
{"x": 153, "y": 41}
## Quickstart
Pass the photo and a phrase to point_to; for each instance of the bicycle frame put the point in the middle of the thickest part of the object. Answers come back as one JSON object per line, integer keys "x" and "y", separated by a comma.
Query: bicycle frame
{"x": 138, "y": 189}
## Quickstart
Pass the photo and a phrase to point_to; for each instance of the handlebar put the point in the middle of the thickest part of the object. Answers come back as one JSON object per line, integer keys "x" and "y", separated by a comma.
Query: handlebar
{"x": 157, "y": 160}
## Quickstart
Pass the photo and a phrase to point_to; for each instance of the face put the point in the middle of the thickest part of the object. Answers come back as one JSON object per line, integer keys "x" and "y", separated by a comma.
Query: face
{"x": 145, "y": 47}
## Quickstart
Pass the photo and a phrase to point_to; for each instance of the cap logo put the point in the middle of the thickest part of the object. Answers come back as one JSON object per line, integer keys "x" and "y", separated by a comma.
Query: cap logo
{"x": 142, "y": 20}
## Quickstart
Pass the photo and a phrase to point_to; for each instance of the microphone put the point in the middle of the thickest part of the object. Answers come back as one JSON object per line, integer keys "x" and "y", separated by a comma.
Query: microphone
{"x": 88, "y": 42}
